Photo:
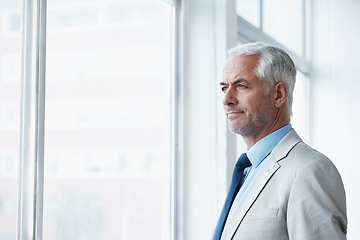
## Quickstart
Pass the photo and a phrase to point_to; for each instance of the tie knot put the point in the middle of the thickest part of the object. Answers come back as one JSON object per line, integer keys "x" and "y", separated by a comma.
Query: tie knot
{"x": 243, "y": 161}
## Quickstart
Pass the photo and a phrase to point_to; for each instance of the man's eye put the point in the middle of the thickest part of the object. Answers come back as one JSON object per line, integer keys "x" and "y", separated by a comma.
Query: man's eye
{"x": 241, "y": 85}
{"x": 223, "y": 89}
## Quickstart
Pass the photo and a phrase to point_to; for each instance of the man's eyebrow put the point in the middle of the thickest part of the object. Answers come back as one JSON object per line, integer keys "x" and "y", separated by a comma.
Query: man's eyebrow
{"x": 240, "y": 80}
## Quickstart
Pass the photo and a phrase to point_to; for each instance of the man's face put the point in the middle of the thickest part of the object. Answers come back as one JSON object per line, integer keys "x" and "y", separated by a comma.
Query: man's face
{"x": 248, "y": 111}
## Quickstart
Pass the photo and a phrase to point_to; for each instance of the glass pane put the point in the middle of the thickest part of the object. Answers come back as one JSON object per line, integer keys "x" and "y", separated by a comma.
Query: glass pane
{"x": 283, "y": 20}
{"x": 249, "y": 10}
{"x": 107, "y": 138}
{"x": 10, "y": 73}
{"x": 301, "y": 106}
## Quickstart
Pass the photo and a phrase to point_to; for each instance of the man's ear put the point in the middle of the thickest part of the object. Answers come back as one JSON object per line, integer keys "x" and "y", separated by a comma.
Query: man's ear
{"x": 281, "y": 93}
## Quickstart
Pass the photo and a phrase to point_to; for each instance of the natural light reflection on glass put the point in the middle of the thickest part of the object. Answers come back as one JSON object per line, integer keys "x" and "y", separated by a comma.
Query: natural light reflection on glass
{"x": 10, "y": 59}
{"x": 107, "y": 138}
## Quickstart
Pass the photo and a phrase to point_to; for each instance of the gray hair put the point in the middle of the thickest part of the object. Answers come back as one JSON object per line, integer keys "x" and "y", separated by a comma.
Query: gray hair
{"x": 274, "y": 66}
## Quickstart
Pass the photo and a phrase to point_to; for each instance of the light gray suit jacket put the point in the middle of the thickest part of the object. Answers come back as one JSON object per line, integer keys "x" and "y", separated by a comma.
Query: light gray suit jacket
{"x": 297, "y": 194}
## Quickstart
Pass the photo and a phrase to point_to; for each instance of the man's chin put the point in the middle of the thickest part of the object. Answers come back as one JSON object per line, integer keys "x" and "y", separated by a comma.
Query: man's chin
{"x": 236, "y": 130}
{"x": 240, "y": 130}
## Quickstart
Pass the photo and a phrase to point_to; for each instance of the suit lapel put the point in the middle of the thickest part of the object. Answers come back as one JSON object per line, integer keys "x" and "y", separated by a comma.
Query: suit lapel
{"x": 262, "y": 177}
{"x": 268, "y": 169}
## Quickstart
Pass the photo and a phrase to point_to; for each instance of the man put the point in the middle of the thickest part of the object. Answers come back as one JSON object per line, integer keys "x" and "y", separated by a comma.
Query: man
{"x": 281, "y": 188}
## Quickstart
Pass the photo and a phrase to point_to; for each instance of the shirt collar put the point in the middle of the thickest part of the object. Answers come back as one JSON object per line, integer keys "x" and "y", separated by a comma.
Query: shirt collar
{"x": 261, "y": 149}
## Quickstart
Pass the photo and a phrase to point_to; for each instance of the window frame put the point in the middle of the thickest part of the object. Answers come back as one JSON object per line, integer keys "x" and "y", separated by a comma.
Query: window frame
{"x": 31, "y": 167}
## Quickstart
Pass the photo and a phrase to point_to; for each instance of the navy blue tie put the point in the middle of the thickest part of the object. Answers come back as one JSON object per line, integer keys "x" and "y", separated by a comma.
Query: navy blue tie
{"x": 236, "y": 181}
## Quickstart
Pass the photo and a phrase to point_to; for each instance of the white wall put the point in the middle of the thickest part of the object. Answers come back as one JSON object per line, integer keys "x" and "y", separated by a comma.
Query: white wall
{"x": 335, "y": 94}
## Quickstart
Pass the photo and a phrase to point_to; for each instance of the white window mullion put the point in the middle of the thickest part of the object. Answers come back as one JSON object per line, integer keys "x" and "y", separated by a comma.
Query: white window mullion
{"x": 32, "y": 121}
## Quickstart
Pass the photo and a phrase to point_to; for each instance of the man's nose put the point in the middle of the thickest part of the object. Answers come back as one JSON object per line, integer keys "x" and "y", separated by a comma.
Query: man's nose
{"x": 230, "y": 97}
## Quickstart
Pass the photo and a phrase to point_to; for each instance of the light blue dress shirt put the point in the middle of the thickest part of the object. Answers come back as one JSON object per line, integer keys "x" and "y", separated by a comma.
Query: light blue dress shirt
{"x": 257, "y": 154}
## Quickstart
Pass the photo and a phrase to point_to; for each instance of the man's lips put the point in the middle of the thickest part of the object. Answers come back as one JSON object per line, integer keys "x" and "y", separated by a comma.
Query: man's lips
{"x": 233, "y": 114}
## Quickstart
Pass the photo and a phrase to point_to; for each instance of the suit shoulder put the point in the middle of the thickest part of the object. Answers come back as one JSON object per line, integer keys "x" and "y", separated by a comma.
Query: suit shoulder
{"x": 305, "y": 151}
{"x": 303, "y": 157}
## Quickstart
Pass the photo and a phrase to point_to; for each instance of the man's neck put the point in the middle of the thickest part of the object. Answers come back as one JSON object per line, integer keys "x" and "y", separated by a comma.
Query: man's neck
{"x": 251, "y": 140}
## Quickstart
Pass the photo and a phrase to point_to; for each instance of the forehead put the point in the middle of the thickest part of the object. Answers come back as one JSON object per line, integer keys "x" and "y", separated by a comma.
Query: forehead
{"x": 240, "y": 65}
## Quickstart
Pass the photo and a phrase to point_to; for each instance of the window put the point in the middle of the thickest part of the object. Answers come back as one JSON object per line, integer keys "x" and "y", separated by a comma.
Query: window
{"x": 300, "y": 119}
{"x": 284, "y": 21}
{"x": 250, "y": 11}
{"x": 108, "y": 114}
{"x": 108, "y": 109}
